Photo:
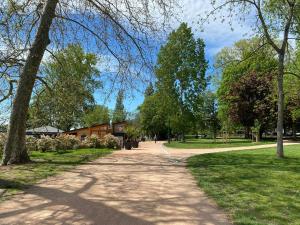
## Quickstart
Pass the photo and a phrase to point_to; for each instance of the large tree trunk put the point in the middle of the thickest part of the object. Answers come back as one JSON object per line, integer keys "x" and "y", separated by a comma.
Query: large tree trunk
{"x": 280, "y": 103}
{"x": 15, "y": 150}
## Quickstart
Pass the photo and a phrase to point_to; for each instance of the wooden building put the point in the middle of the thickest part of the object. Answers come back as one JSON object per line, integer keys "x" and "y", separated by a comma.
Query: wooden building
{"x": 116, "y": 129}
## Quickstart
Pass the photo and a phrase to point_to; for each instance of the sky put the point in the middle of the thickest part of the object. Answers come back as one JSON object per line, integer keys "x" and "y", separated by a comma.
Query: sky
{"x": 216, "y": 35}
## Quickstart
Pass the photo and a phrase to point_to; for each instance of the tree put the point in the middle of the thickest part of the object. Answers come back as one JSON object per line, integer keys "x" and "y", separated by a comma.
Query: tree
{"x": 119, "y": 114}
{"x": 117, "y": 30}
{"x": 210, "y": 114}
{"x": 153, "y": 118}
{"x": 273, "y": 18}
{"x": 180, "y": 73}
{"x": 291, "y": 92}
{"x": 251, "y": 99}
{"x": 98, "y": 115}
{"x": 237, "y": 99}
{"x": 69, "y": 91}
{"x": 15, "y": 151}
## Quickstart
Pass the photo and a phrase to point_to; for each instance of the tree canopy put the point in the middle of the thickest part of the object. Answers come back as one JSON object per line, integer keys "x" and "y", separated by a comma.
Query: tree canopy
{"x": 71, "y": 77}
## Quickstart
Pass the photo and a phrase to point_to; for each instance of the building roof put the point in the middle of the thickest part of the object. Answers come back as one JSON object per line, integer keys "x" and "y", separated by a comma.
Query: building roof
{"x": 45, "y": 129}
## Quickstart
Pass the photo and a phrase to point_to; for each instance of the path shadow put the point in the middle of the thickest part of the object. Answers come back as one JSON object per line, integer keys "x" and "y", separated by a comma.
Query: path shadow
{"x": 78, "y": 209}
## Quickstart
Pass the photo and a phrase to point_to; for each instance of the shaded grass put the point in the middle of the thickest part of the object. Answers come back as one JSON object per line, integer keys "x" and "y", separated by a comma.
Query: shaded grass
{"x": 16, "y": 178}
{"x": 253, "y": 186}
{"x": 217, "y": 143}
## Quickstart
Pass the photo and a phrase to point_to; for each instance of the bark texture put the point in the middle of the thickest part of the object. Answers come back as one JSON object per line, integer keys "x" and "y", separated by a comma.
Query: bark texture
{"x": 15, "y": 150}
{"x": 280, "y": 104}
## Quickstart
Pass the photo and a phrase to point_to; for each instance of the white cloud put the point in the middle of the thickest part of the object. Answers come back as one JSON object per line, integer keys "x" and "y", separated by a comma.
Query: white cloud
{"x": 215, "y": 33}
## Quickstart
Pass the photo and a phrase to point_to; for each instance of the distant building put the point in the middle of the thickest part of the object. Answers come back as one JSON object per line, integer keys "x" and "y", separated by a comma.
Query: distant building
{"x": 116, "y": 129}
{"x": 46, "y": 130}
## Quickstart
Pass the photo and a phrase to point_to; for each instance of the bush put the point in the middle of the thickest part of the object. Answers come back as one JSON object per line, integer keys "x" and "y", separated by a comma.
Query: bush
{"x": 92, "y": 142}
{"x": 46, "y": 143}
{"x": 112, "y": 142}
{"x": 31, "y": 143}
{"x": 65, "y": 142}
{"x": 3, "y": 137}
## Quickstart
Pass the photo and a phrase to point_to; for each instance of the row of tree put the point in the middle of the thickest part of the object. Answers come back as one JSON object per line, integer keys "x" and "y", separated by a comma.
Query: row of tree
{"x": 247, "y": 93}
{"x": 247, "y": 89}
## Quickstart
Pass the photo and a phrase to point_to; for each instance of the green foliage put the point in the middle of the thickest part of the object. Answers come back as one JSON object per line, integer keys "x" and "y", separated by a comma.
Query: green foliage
{"x": 119, "y": 114}
{"x": 132, "y": 132}
{"x": 254, "y": 187}
{"x": 153, "y": 116}
{"x": 292, "y": 87}
{"x": 246, "y": 90}
{"x": 97, "y": 115}
{"x": 71, "y": 77}
{"x": 177, "y": 99}
{"x": 211, "y": 122}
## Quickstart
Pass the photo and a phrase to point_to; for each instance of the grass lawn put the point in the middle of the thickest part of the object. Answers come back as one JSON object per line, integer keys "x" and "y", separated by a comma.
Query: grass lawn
{"x": 17, "y": 177}
{"x": 218, "y": 143}
{"x": 253, "y": 186}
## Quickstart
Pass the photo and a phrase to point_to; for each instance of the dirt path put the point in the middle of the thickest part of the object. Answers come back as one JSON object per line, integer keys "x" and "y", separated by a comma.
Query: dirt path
{"x": 144, "y": 186}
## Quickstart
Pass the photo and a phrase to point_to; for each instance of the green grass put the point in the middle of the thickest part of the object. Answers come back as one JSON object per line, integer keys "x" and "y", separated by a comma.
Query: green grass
{"x": 18, "y": 177}
{"x": 253, "y": 186}
{"x": 218, "y": 143}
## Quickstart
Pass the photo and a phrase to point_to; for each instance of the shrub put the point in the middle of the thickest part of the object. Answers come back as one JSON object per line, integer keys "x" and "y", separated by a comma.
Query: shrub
{"x": 65, "y": 142}
{"x": 46, "y": 143}
{"x": 3, "y": 137}
{"x": 93, "y": 142}
{"x": 112, "y": 142}
{"x": 31, "y": 143}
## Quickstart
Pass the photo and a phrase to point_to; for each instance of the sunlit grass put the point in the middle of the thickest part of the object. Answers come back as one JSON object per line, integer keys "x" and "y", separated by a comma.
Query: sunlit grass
{"x": 217, "y": 143}
{"x": 254, "y": 186}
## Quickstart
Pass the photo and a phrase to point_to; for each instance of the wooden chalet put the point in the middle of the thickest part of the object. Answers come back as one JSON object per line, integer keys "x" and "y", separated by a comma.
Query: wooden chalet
{"x": 116, "y": 129}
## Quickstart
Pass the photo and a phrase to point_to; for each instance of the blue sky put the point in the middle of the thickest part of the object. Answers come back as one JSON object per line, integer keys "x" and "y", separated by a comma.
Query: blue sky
{"x": 216, "y": 35}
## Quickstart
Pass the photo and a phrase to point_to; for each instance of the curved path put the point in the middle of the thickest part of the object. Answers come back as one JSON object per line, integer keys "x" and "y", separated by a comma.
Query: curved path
{"x": 149, "y": 185}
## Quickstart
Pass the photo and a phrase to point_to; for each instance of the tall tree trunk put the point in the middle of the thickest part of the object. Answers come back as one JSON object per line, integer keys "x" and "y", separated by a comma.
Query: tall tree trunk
{"x": 15, "y": 150}
{"x": 280, "y": 103}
